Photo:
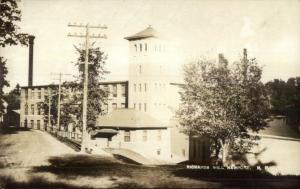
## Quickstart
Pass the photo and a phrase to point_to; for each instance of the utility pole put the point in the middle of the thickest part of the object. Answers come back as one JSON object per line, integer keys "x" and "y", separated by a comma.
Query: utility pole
{"x": 49, "y": 107}
{"x": 59, "y": 97}
{"x": 87, "y": 36}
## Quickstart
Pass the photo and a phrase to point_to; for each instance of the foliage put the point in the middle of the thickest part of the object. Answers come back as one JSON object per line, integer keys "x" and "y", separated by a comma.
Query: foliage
{"x": 3, "y": 83}
{"x": 71, "y": 98}
{"x": 9, "y": 31}
{"x": 13, "y": 98}
{"x": 9, "y": 35}
{"x": 221, "y": 103}
{"x": 285, "y": 98}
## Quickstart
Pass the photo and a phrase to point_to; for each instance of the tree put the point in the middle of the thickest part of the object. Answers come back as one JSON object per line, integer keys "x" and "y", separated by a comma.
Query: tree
{"x": 3, "y": 83}
{"x": 72, "y": 95}
{"x": 285, "y": 99}
{"x": 223, "y": 104}
{"x": 9, "y": 35}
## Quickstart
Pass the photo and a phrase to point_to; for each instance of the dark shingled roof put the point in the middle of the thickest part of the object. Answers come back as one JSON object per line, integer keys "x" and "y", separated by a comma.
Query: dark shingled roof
{"x": 146, "y": 33}
{"x": 129, "y": 118}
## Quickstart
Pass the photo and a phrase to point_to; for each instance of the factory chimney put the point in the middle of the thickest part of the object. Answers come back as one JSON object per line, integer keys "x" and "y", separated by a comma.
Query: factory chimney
{"x": 30, "y": 69}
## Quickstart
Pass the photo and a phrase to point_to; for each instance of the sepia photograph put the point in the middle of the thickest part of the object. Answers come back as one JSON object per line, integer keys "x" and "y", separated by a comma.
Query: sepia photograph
{"x": 149, "y": 94}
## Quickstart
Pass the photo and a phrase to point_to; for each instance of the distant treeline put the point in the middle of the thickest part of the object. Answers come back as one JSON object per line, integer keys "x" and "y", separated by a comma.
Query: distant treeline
{"x": 285, "y": 98}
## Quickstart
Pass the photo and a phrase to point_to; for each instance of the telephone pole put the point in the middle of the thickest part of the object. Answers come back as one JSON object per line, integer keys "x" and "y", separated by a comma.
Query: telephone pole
{"x": 87, "y": 37}
{"x": 59, "y": 98}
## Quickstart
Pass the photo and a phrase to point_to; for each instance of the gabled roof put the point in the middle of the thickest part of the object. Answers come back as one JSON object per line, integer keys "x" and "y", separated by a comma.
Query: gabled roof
{"x": 146, "y": 33}
{"x": 128, "y": 118}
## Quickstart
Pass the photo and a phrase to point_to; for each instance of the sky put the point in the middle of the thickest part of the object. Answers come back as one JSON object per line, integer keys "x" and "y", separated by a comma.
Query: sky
{"x": 269, "y": 29}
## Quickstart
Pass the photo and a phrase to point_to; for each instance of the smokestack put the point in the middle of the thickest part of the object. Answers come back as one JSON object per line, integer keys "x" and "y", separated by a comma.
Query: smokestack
{"x": 245, "y": 54}
{"x": 30, "y": 70}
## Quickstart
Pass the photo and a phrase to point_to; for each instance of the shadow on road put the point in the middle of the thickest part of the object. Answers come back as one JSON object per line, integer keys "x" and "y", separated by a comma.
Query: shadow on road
{"x": 8, "y": 182}
{"x": 87, "y": 165}
{"x": 12, "y": 130}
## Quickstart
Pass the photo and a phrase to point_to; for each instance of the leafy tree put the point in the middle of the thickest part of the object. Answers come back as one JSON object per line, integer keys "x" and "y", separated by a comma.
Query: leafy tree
{"x": 9, "y": 35}
{"x": 223, "y": 104}
{"x": 285, "y": 98}
{"x": 71, "y": 99}
{"x": 13, "y": 98}
{"x": 3, "y": 83}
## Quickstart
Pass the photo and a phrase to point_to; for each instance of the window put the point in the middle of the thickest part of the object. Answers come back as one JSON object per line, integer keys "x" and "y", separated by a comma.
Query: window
{"x": 25, "y": 123}
{"x": 26, "y": 109}
{"x": 134, "y": 105}
{"x": 38, "y": 124}
{"x": 106, "y": 91}
{"x": 159, "y": 135}
{"x": 145, "y": 136}
{"x": 140, "y": 106}
{"x": 140, "y": 69}
{"x": 126, "y": 136}
{"x": 135, "y": 46}
{"x": 145, "y": 46}
{"x": 141, "y": 48}
{"x": 158, "y": 151}
{"x": 140, "y": 87}
{"x": 114, "y": 90}
{"x": 26, "y": 94}
{"x": 31, "y": 123}
{"x": 32, "y": 109}
{"x": 134, "y": 86}
{"x": 32, "y": 94}
{"x": 123, "y": 90}
{"x": 123, "y": 105}
{"x": 114, "y": 106}
{"x": 145, "y": 87}
{"x": 38, "y": 109}
{"x": 145, "y": 107}
{"x": 39, "y": 95}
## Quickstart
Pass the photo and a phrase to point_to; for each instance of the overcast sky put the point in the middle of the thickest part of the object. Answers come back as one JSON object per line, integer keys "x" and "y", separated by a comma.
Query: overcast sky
{"x": 270, "y": 30}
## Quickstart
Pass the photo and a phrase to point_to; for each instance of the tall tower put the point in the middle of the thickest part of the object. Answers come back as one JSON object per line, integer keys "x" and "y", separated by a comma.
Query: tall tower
{"x": 148, "y": 73}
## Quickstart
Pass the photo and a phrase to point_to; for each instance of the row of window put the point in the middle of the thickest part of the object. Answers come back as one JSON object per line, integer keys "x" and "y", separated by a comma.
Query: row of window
{"x": 32, "y": 94}
{"x": 143, "y": 87}
{"x": 115, "y": 106}
{"x": 140, "y": 106}
{"x": 127, "y": 135}
{"x": 32, "y": 109}
{"x": 31, "y": 125}
{"x": 144, "y": 47}
{"x": 115, "y": 90}
{"x": 140, "y": 87}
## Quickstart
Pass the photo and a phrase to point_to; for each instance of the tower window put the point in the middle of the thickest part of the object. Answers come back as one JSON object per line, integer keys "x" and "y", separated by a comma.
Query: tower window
{"x": 135, "y": 46}
{"x": 140, "y": 87}
{"x": 146, "y": 47}
{"x": 145, "y": 86}
{"x": 145, "y": 107}
{"x": 141, "y": 47}
{"x": 140, "y": 69}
